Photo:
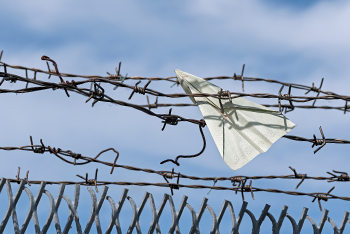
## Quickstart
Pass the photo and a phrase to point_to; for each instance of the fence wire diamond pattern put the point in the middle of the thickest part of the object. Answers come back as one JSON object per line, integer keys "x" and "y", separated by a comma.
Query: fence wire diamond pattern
{"x": 135, "y": 222}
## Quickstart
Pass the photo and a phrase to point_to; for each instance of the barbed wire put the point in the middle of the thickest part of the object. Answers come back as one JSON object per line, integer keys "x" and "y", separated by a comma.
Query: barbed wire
{"x": 73, "y": 87}
{"x": 341, "y": 108}
{"x": 241, "y": 187}
{"x": 173, "y": 79}
{"x": 41, "y": 149}
{"x": 98, "y": 94}
{"x": 238, "y": 182}
{"x": 119, "y": 77}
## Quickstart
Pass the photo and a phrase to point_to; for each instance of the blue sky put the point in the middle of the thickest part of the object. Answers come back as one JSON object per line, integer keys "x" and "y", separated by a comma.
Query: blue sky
{"x": 290, "y": 41}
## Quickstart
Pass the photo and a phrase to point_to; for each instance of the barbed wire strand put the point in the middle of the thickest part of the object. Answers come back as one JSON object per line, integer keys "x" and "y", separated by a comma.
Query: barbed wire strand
{"x": 41, "y": 149}
{"x": 172, "y": 78}
{"x": 242, "y": 189}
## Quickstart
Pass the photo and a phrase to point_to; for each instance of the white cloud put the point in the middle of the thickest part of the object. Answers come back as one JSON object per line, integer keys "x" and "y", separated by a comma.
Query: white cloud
{"x": 205, "y": 38}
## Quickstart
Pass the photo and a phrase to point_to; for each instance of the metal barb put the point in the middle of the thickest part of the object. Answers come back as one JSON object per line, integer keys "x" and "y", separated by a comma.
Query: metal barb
{"x": 38, "y": 150}
{"x": 118, "y": 71}
{"x": 342, "y": 177}
{"x": 237, "y": 179}
{"x": 321, "y": 142}
{"x": 139, "y": 89}
{"x": 285, "y": 96}
{"x": 346, "y": 107}
{"x": 97, "y": 94}
{"x": 318, "y": 90}
{"x": 44, "y": 57}
{"x": 215, "y": 180}
{"x": 247, "y": 188}
{"x": 172, "y": 186}
{"x": 18, "y": 172}
{"x": 150, "y": 106}
{"x": 221, "y": 106}
{"x": 91, "y": 181}
{"x": 298, "y": 175}
{"x": 240, "y": 77}
{"x": 169, "y": 119}
{"x": 323, "y": 197}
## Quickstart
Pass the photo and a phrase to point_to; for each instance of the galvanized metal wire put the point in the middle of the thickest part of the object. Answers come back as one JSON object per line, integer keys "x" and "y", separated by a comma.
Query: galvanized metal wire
{"x": 136, "y": 222}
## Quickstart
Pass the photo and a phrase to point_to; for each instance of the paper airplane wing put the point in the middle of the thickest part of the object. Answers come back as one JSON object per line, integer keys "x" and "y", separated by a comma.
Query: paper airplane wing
{"x": 245, "y": 130}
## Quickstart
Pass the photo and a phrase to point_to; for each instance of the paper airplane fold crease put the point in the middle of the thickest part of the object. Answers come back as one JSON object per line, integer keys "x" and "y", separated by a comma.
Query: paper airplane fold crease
{"x": 244, "y": 129}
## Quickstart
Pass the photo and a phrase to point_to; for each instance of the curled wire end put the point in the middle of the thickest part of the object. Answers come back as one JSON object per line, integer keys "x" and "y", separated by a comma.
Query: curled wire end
{"x": 115, "y": 161}
{"x": 44, "y": 57}
{"x": 201, "y": 124}
{"x": 170, "y": 160}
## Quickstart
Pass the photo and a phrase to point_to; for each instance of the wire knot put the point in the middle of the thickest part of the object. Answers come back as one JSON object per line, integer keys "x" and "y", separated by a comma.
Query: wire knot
{"x": 343, "y": 177}
{"x": 139, "y": 89}
{"x": 313, "y": 88}
{"x": 54, "y": 150}
{"x": 170, "y": 119}
{"x": 298, "y": 175}
{"x": 318, "y": 90}
{"x": 226, "y": 93}
{"x": 72, "y": 83}
{"x": 12, "y": 79}
{"x": 324, "y": 197}
{"x": 75, "y": 155}
{"x": 117, "y": 70}
{"x": 38, "y": 150}
{"x": 150, "y": 106}
{"x": 90, "y": 181}
{"x": 317, "y": 142}
{"x": 113, "y": 75}
{"x": 169, "y": 175}
{"x": 322, "y": 142}
{"x": 172, "y": 186}
{"x": 98, "y": 93}
{"x": 286, "y": 96}
{"x": 246, "y": 188}
{"x": 240, "y": 77}
{"x": 238, "y": 180}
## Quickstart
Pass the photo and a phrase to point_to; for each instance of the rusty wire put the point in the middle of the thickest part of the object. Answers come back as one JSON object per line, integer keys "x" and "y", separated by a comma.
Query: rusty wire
{"x": 69, "y": 86}
{"x": 254, "y": 189}
{"x": 98, "y": 94}
{"x": 344, "y": 108}
{"x": 119, "y": 77}
{"x": 342, "y": 177}
{"x": 242, "y": 188}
